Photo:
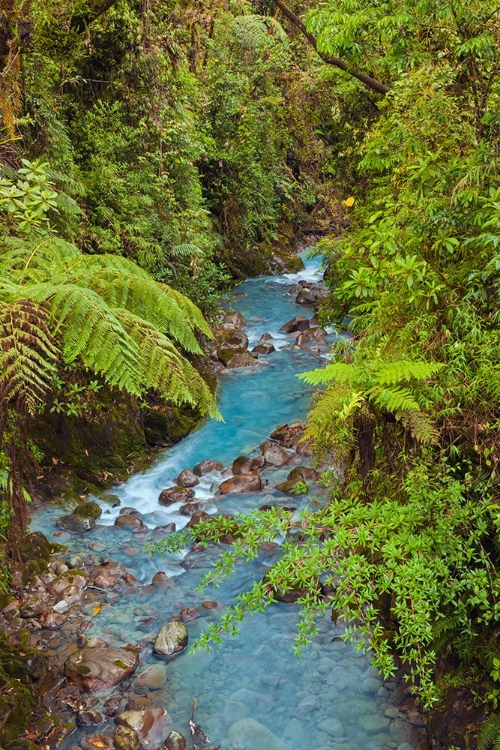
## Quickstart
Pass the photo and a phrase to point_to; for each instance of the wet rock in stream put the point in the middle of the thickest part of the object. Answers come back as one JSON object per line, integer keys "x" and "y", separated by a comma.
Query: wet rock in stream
{"x": 240, "y": 484}
{"x": 205, "y": 467}
{"x": 176, "y": 494}
{"x": 171, "y": 639}
{"x": 94, "y": 670}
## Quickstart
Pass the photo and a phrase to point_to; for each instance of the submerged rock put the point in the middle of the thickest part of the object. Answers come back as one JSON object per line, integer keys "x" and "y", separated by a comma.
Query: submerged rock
{"x": 241, "y": 483}
{"x": 142, "y": 722}
{"x": 174, "y": 741}
{"x": 171, "y": 639}
{"x": 251, "y": 735}
{"x": 240, "y": 359}
{"x": 78, "y": 524}
{"x": 126, "y": 738}
{"x": 99, "y": 741}
{"x": 97, "y": 669}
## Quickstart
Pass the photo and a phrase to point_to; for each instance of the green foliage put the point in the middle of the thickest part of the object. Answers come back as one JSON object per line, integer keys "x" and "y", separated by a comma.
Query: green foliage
{"x": 489, "y": 736}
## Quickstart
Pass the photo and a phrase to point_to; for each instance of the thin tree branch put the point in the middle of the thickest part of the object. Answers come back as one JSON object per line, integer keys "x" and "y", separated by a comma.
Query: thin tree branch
{"x": 372, "y": 83}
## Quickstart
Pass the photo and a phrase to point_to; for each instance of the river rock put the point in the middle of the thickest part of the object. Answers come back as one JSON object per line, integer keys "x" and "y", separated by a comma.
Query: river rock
{"x": 298, "y": 323}
{"x": 374, "y": 723}
{"x": 99, "y": 741}
{"x": 153, "y": 677}
{"x": 332, "y": 727}
{"x": 64, "y": 581}
{"x": 274, "y": 454}
{"x": 174, "y": 741}
{"x": 241, "y": 483}
{"x": 311, "y": 295}
{"x": 96, "y": 669}
{"x": 204, "y": 467}
{"x": 141, "y": 722}
{"x": 78, "y": 524}
{"x": 187, "y": 478}
{"x": 129, "y": 522}
{"x": 244, "y": 464}
{"x": 189, "y": 509}
{"x": 171, "y": 639}
{"x": 89, "y": 718}
{"x": 264, "y": 348}
{"x": 33, "y": 605}
{"x": 54, "y": 621}
{"x": 125, "y": 738}
{"x": 161, "y": 580}
{"x": 251, "y": 735}
{"x": 288, "y": 435}
{"x": 90, "y": 509}
{"x": 195, "y": 519}
{"x": 313, "y": 334}
{"x": 233, "y": 320}
{"x": 173, "y": 495}
{"x": 241, "y": 359}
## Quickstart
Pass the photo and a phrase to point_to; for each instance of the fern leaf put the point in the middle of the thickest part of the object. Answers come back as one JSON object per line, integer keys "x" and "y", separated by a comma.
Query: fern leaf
{"x": 91, "y": 333}
{"x": 186, "y": 250}
{"x": 163, "y": 368}
{"x": 337, "y": 371}
{"x": 393, "y": 399}
{"x": 391, "y": 373}
{"x": 28, "y": 355}
{"x": 489, "y": 734}
{"x": 419, "y": 425}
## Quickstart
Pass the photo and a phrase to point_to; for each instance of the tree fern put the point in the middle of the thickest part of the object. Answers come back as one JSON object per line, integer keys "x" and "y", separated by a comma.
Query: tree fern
{"x": 28, "y": 355}
{"x": 489, "y": 734}
{"x": 88, "y": 297}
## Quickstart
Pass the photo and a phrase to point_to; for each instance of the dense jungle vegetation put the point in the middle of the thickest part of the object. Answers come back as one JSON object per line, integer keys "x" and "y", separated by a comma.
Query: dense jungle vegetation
{"x": 153, "y": 151}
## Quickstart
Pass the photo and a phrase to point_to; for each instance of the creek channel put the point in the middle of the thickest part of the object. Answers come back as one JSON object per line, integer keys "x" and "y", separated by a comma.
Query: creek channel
{"x": 252, "y": 692}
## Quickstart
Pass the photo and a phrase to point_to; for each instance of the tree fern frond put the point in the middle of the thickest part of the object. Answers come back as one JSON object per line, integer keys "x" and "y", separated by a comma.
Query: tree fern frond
{"x": 419, "y": 425}
{"x": 163, "y": 368}
{"x": 489, "y": 734}
{"x": 337, "y": 371}
{"x": 28, "y": 354}
{"x": 393, "y": 399}
{"x": 91, "y": 333}
{"x": 186, "y": 250}
{"x": 391, "y": 373}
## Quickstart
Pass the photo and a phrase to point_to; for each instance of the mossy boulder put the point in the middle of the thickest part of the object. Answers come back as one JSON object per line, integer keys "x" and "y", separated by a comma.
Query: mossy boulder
{"x": 20, "y": 667}
{"x": 89, "y": 509}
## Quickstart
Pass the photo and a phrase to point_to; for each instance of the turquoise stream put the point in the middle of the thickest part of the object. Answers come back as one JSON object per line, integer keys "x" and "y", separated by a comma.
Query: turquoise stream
{"x": 329, "y": 698}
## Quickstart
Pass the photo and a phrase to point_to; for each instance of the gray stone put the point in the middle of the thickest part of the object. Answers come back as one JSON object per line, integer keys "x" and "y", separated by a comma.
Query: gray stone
{"x": 234, "y": 711}
{"x": 241, "y": 359}
{"x": 251, "y": 735}
{"x": 274, "y": 454}
{"x": 171, "y": 639}
{"x": 233, "y": 320}
{"x": 371, "y": 686}
{"x": 374, "y": 723}
{"x": 153, "y": 677}
{"x": 406, "y": 746}
{"x": 332, "y": 727}
{"x": 77, "y": 524}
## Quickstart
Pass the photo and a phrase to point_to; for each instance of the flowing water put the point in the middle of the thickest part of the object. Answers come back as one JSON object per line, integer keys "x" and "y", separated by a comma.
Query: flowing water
{"x": 252, "y": 693}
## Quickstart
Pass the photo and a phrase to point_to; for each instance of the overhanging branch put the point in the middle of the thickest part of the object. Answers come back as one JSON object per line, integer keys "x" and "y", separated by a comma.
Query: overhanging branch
{"x": 372, "y": 83}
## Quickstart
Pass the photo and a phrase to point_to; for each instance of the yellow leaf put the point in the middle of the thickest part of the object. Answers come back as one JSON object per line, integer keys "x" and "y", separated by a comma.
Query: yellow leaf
{"x": 349, "y": 201}
{"x": 97, "y": 609}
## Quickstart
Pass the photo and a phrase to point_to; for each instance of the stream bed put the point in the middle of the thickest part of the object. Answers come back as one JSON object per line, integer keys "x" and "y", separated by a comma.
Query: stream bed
{"x": 252, "y": 693}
